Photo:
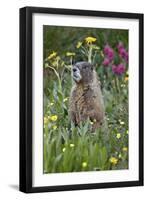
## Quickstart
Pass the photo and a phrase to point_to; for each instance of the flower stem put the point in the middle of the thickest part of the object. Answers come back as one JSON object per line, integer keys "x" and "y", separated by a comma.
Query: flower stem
{"x": 90, "y": 53}
{"x": 59, "y": 80}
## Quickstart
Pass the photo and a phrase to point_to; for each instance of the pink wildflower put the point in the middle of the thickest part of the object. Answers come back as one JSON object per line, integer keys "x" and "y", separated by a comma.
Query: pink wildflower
{"x": 120, "y": 45}
{"x": 106, "y": 62}
{"x": 106, "y": 49}
{"x": 122, "y": 51}
{"x": 109, "y": 53}
{"x": 118, "y": 69}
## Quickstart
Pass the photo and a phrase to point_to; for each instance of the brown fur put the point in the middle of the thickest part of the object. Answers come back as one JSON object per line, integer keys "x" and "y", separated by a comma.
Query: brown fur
{"x": 86, "y": 100}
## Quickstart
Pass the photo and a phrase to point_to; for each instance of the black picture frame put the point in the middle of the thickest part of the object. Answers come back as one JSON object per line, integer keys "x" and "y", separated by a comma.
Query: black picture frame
{"x": 26, "y": 99}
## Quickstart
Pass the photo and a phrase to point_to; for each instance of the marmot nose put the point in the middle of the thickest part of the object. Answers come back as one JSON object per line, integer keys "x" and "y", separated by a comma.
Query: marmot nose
{"x": 74, "y": 69}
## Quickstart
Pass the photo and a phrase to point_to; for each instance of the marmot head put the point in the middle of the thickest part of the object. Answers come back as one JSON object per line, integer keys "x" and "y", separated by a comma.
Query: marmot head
{"x": 82, "y": 72}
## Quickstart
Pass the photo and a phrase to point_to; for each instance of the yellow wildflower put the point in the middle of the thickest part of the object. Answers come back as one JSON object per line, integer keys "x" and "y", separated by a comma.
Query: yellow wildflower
{"x": 126, "y": 78}
{"x": 64, "y": 149}
{"x": 127, "y": 132}
{"x": 71, "y": 145}
{"x": 79, "y": 45}
{"x": 54, "y": 127}
{"x": 54, "y": 117}
{"x": 51, "y": 104}
{"x": 125, "y": 149}
{"x": 90, "y": 40}
{"x": 64, "y": 100}
{"x": 91, "y": 123}
{"x": 118, "y": 135}
{"x": 84, "y": 164}
{"x": 70, "y": 54}
{"x": 113, "y": 160}
{"x": 52, "y": 55}
{"x": 45, "y": 120}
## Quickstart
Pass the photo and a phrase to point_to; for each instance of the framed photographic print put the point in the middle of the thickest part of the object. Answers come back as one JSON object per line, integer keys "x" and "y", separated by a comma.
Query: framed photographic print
{"x": 81, "y": 99}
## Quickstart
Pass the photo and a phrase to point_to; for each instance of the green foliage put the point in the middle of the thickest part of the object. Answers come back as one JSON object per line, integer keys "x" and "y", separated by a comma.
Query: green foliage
{"x": 68, "y": 148}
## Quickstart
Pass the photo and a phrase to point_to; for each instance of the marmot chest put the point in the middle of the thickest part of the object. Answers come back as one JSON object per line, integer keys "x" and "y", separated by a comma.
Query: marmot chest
{"x": 85, "y": 98}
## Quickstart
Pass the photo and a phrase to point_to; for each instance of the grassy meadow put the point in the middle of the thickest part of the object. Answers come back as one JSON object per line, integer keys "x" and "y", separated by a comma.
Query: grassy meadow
{"x": 72, "y": 149}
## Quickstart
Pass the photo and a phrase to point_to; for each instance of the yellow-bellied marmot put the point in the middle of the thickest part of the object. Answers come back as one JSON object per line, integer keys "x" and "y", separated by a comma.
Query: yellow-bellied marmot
{"x": 86, "y": 100}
